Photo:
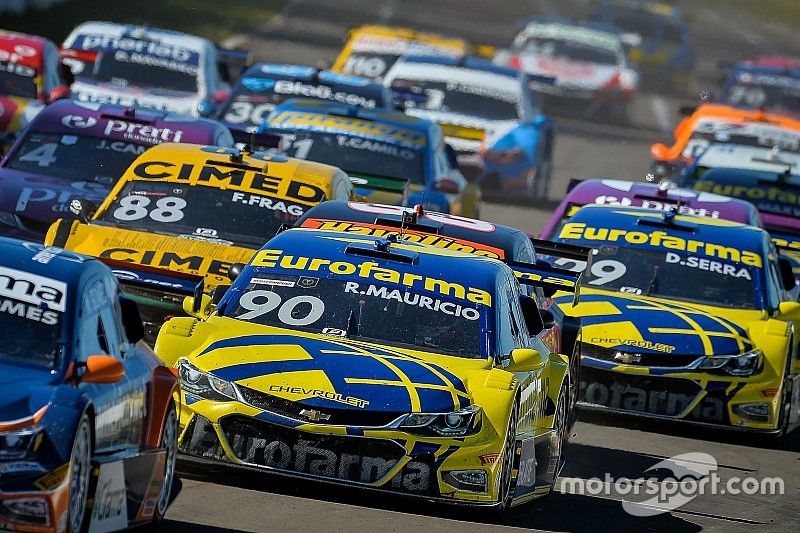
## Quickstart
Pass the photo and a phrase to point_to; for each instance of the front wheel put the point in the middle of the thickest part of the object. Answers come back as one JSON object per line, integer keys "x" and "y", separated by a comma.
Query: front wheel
{"x": 559, "y": 433}
{"x": 505, "y": 493}
{"x": 169, "y": 442}
{"x": 80, "y": 466}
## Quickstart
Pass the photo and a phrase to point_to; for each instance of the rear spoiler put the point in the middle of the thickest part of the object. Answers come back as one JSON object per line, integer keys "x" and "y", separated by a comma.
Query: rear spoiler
{"x": 257, "y": 141}
{"x": 552, "y": 278}
{"x": 232, "y": 63}
{"x": 147, "y": 277}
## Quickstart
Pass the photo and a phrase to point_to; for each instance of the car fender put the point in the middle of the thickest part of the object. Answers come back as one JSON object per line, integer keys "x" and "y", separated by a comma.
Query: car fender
{"x": 163, "y": 386}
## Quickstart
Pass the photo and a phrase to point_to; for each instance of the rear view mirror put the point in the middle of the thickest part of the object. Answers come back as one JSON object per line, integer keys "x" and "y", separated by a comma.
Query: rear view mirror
{"x": 659, "y": 151}
{"x": 103, "y": 369}
{"x": 131, "y": 320}
{"x": 787, "y": 275}
{"x": 524, "y": 360}
{"x": 197, "y": 306}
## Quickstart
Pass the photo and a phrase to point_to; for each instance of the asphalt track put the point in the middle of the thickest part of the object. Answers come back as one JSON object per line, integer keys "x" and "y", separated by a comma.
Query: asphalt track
{"x": 223, "y": 500}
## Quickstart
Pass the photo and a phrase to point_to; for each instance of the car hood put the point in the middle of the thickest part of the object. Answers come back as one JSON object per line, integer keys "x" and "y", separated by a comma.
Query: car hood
{"x": 23, "y": 391}
{"x": 44, "y": 198}
{"x": 332, "y": 373}
{"x": 572, "y": 74}
{"x": 86, "y": 91}
{"x": 657, "y": 326}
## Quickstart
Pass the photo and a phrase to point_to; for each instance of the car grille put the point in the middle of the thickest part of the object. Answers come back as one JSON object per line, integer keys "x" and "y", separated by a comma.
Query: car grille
{"x": 660, "y": 360}
{"x": 336, "y": 457}
{"x": 339, "y": 417}
{"x": 654, "y": 395}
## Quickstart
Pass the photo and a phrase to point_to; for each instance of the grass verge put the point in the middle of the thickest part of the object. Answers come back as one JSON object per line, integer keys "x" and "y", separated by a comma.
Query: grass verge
{"x": 783, "y": 12}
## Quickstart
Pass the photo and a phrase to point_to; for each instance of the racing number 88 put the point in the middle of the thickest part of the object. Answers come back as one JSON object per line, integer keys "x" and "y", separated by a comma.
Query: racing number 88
{"x": 134, "y": 207}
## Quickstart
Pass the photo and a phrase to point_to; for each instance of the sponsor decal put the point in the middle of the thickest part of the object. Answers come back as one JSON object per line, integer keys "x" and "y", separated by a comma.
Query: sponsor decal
{"x": 110, "y": 508}
{"x": 658, "y": 206}
{"x": 648, "y": 345}
{"x": 438, "y": 241}
{"x": 52, "y": 479}
{"x": 166, "y": 259}
{"x": 142, "y": 132}
{"x": 271, "y": 258}
{"x": 32, "y": 289}
{"x": 269, "y": 203}
{"x": 317, "y": 121}
{"x": 321, "y": 92}
{"x": 357, "y": 143}
{"x": 408, "y": 298}
{"x": 78, "y": 122}
{"x": 659, "y": 239}
{"x": 489, "y": 458}
{"x": 770, "y": 199}
{"x": 527, "y": 464}
{"x": 127, "y": 275}
{"x": 16, "y": 467}
{"x": 276, "y": 282}
{"x": 708, "y": 265}
{"x": 222, "y": 175}
{"x": 45, "y": 255}
{"x": 157, "y": 48}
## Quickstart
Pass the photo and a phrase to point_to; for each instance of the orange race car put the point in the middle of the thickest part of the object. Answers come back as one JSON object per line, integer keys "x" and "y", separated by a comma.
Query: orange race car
{"x": 716, "y": 123}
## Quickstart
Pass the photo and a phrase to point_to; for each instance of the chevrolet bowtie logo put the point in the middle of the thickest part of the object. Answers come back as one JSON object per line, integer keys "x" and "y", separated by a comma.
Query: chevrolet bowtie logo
{"x": 627, "y": 358}
{"x": 314, "y": 416}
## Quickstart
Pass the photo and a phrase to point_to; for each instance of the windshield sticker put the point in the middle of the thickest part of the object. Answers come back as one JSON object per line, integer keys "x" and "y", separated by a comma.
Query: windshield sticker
{"x": 683, "y": 209}
{"x": 479, "y": 90}
{"x": 133, "y": 131}
{"x": 370, "y": 270}
{"x": 137, "y": 47}
{"x": 659, "y": 239}
{"x": 276, "y": 282}
{"x": 770, "y": 199}
{"x": 408, "y": 298}
{"x": 269, "y": 203}
{"x": 321, "y": 92}
{"x": 709, "y": 265}
{"x": 45, "y": 295}
{"x": 317, "y": 121}
{"x": 375, "y": 146}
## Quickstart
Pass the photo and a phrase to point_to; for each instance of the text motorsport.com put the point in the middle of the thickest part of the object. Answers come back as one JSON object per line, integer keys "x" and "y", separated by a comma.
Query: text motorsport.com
{"x": 692, "y": 475}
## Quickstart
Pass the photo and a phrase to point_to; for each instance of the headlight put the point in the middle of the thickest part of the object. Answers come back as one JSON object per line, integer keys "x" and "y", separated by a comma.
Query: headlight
{"x": 745, "y": 364}
{"x": 466, "y": 421}
{"x": 17, "y": 444}
{"x": 205, "y": 385}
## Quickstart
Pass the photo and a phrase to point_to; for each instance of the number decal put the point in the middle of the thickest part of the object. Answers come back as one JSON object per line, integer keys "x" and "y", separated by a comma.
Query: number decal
{"x": 242, "y": 112}
{"x": 371, "y": 67}
{"x": 435, "y": 99}
{"x": 260, "y": 302}
{"x": 570, "y": 264}
{"x": 748, "y": 95}
{"x": 606, "y": 271}
{"x": 302, "y": 147}
{"x": 134, "y": 207}
{"x": 44, "y": 156}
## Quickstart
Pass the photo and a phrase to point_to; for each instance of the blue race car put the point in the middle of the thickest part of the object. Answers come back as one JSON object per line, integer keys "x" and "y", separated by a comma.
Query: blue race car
{"x": 266, "y": 85}
{"x": 88, "y": 427}
{"x": 488, "y": 113}
{"x": 772, "y": 83}
{"x": 377, "y": 147}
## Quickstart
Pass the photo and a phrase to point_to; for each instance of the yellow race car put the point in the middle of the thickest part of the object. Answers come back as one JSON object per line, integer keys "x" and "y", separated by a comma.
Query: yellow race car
{"x": 373, "y": 362}
{"x": 185, "y": 213}
{"x": 685, "y": 318}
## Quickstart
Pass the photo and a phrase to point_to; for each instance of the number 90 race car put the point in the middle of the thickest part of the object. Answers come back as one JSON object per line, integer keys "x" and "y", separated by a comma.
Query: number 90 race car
{"x": 88, "y": 435}
{"x": 379, "y": 363}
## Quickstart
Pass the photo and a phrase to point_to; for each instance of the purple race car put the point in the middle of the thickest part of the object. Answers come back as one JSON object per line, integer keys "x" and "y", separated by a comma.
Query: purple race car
{"x": 649, "y": 195}
{"x": 76, "y": 149}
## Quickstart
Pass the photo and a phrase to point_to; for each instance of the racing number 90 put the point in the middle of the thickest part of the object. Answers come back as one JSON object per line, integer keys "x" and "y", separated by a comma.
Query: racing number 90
{"x": 260, "y": 302}
{"x": 134, "y": 207}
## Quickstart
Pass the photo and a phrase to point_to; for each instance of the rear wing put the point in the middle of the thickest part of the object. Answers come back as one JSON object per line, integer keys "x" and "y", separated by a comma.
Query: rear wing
{"x": 553, "y": 278}
{"x": 232, "y": 63}
{"x": 256, "y": 141}
{"x": 156, "y": 279}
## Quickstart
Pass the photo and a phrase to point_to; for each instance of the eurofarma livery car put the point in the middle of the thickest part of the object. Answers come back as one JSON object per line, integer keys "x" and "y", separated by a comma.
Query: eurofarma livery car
{"x": 31, "y": 75}
{"x": 79, "y": 150}
{"x": 181, "y": 214}
{"x": 88, "y": 421}
{"x": 683, "y": 317}
{"x": 150, "y": 67}
{"x": 487, "y": 113}
{"x": 377, "y": 148}
{"x": 377, "y": 363}
{"x": 664, "y": 196}
{"x": 265, "y": 85}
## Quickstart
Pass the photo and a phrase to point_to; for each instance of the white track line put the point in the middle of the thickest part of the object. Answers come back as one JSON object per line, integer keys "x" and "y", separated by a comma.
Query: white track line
{"x": 661, "y": 112}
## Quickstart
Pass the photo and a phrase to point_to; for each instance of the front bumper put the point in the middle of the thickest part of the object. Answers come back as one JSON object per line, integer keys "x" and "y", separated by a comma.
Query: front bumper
{"x": 377, "y": 458}
{"x": 750, "y": 403}
{"x": 35, "y": 503}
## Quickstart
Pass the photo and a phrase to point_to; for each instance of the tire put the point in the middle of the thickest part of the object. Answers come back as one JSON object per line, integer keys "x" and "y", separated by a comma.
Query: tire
{"x": 786, "y": 400}
{"x": 561, "y": 424}
{"x": 505, "y": 493}
{"x": 169, "y": 442}
{"x": 80, "y": 467}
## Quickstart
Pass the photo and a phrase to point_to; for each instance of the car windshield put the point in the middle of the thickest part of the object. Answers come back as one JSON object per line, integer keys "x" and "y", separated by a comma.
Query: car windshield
{"x": 17, "y": 84}
{"x": 146, "y": 71}
{"x": 249, "y": 108}
{"x": 356, "y": 155}
{"x": 389, "y": 314}
{"x": 75, "y": 157}
{"x": 463, "y": 98}
{"x": 28, "y": 341}
{"x": 669, "y": 274}
{"x": 571, "y": 50}
{"x": 783, "y": 94}
{"x": 225, "y": 216}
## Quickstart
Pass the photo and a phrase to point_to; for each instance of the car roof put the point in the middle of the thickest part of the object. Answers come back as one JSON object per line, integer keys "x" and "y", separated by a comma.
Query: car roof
{"x": 731, "y": 113}
{"x": 571, "y": 32}
{"x": 500, "y": 79}
{"x": 465, "y": 62}
{"x": 480, "y": 273}
{"x": 112, "y": 120}
{"x": 306, "y": 73}
{"x": 494, "y": 236}
{"x": 41, "y": 260}
{"x": 9, "y": 39}
{"x": 407, "y": 34}
{"x": 114, "y": 30}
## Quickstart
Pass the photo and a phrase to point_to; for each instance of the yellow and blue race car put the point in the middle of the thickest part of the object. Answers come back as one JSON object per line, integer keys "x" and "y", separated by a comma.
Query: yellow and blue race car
{"x": 185, "y": 213}
{"x": 373, "y": 362}
{"x": 685, "y": 318}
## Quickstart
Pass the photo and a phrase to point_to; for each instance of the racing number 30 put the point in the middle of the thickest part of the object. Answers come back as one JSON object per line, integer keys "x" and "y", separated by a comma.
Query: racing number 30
{"x": 134, "y": 207}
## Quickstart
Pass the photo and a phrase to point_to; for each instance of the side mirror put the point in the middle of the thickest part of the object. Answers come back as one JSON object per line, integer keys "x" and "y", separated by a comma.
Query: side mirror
{"x": 195, "y": 307}
{"x": 789, "y": 311}
{"x": 131, "y": 320}
{"x": 452, "y": 156}
{"x": 539, "y": 121}
{"x": 525, "y": 360}
{"x": 787, "y": 275}
{"x": 58, "y": 93}
{"x": 82, "y": 208}
{"x": 218, "y": 292}
{"x": 234, "y": 270}
{"x": 530, "y": 311}
{"x": 659, "y": 151}
{"x": 103, "y": 369}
